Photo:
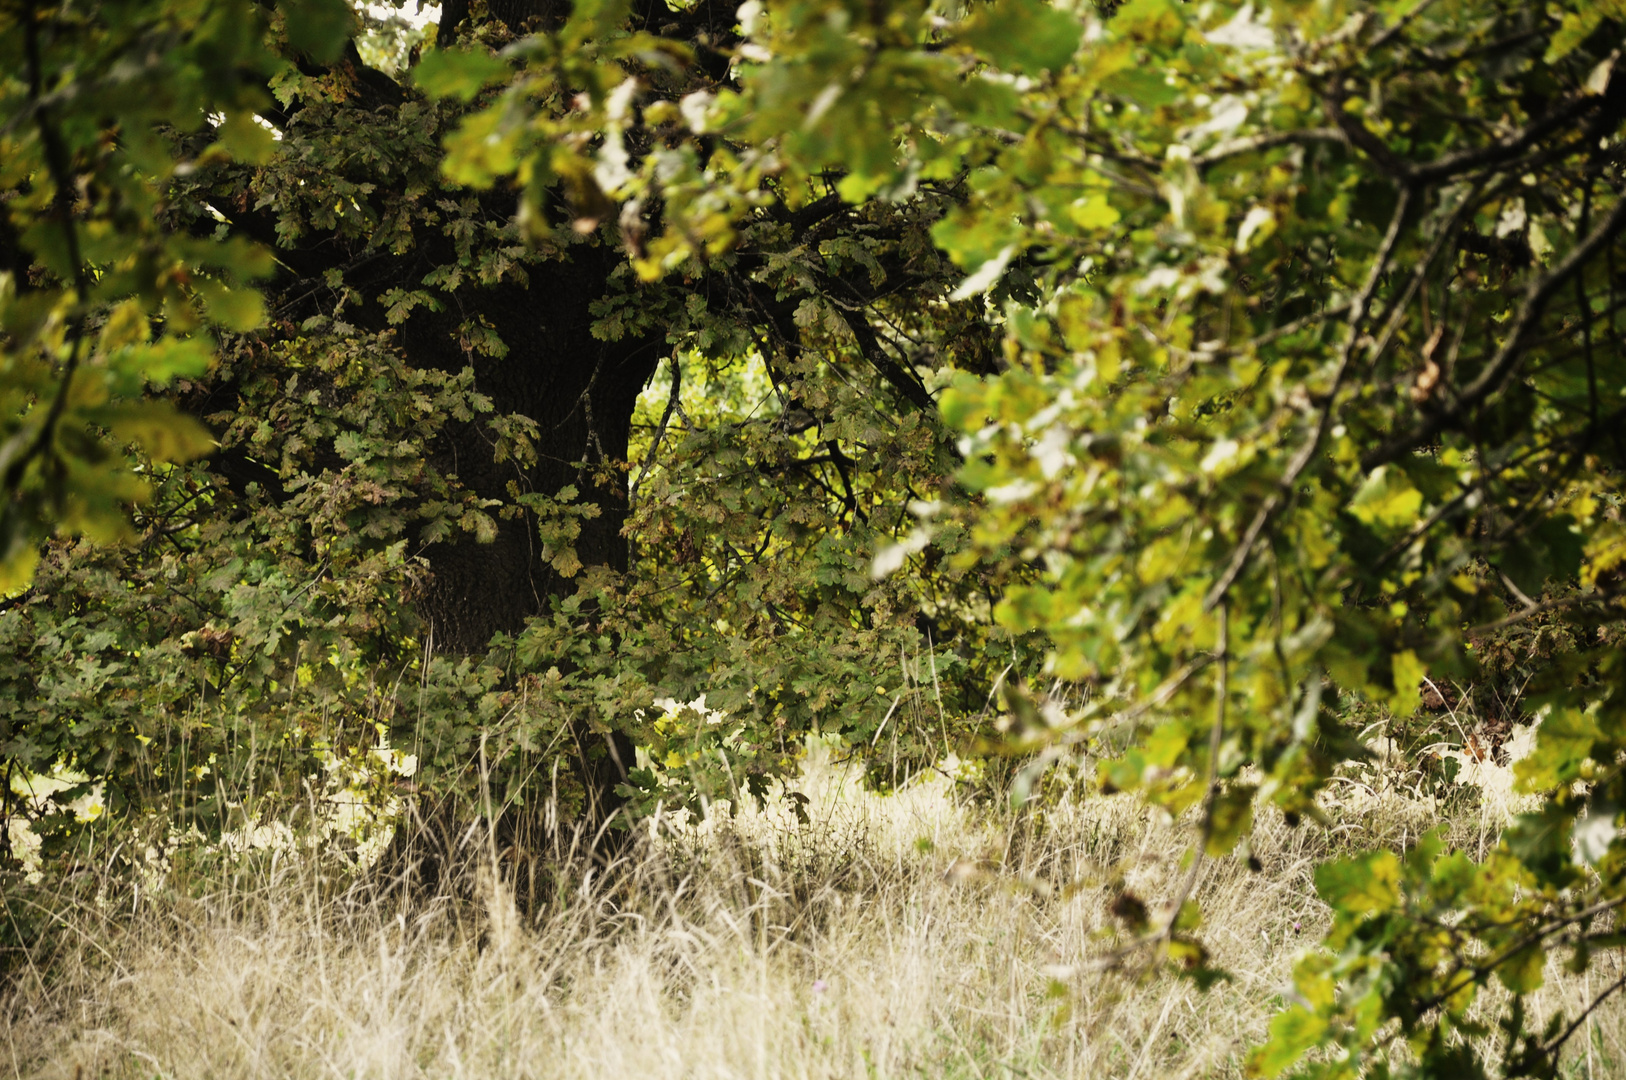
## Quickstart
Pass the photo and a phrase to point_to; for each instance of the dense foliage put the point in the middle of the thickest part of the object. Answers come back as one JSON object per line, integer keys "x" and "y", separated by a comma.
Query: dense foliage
{"x": 1275, "y": 355}
{"x": 277, "y": 607}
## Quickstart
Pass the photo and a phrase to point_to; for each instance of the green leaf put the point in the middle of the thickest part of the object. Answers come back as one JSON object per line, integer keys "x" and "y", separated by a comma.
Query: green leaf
{"x": 1028, "y": 36}
{"x": 318, "y": 28}
{"x": 1093, "y": 212}
{"x": 1231, "y": 818}
{"x": 1576, "y": 28}
{"x": 457, "y": 73}
{"x": 240, "y": 309}
{"x": 1387, "y": 499}
{"x": 1365, "y": 885}
{"x": 158, "y": 363}
{"x": 1521, "y": 972}
{"x": 481, "y": 149}
{"x": 1541, "y": 841}
{"x": 1561, "y": 544}
{"x": 1292, "y": 1033}
{"x": 1550, "y": 552}
{"x": 246, "y": 139}
{"x": 1564, "y": 738}
{"x": 163, "y": 432}
{"x": 1148, "y": 89}
{"x": 974, "y": 238}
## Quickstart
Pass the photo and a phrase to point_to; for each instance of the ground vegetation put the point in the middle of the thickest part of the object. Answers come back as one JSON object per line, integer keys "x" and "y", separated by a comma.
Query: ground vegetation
{"x": 547, "y": 419}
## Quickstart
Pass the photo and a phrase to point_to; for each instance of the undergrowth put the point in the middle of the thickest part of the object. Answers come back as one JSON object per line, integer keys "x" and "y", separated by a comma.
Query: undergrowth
{"x": 912, "y": 934}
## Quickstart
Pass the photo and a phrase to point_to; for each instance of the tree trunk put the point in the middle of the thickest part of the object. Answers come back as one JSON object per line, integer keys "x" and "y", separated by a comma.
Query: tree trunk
{"x": 578, "y": 390}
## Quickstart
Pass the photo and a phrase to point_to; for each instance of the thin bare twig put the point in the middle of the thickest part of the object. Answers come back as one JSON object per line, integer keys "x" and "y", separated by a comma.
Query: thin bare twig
{"x": 1557, "y": 1044}
{"x": 1267, "y": 141}
{"x": 20, "y": 450}
{"x": 1389, "y": 33}
{"x": 1533, "y": 609}
{"x": 1306, "y": 453}
{"x": 1506, "y": 362}
{"x": 1216, "y": 737}
{"x": 660, "y": 432}
{"x": 1165, "y": 691}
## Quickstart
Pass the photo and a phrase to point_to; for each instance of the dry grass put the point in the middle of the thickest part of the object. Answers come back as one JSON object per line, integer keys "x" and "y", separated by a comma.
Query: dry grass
{"x": 891, "y": 937}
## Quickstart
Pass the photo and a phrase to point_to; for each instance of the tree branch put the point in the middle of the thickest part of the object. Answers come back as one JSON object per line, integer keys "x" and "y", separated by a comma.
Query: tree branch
{"x": 1306, "y": 453}
{"x": 893, "y": 372}
{"x": 21, "y": 449}
{"x": 660, "y": 432}
{"x": 1512, "y": 352}
{"x": 1268, "y": 141}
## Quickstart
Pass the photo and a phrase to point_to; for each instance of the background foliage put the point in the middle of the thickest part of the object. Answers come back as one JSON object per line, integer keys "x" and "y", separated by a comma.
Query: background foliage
{"x": 1212, "y": 379}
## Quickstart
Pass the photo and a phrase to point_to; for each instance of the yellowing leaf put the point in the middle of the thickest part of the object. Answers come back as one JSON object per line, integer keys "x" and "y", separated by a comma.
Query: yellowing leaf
{"x": 1365, "y": 885}
{"x": 1386, "y": 499}
{"x": 566, "y": 562}
{"x": 17, "y": 562}
{"x": 162, "y": 431}
{"x": 1409, "y": 673}
{"x": 457, "y": 73}
{"x": 1093, "y": 212}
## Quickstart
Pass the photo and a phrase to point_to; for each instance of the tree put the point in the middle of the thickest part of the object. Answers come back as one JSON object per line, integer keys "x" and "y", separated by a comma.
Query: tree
{"x": 423, "y": 437}
{"x": 1314, "y": 370}
{"x": 1288, "y": 366}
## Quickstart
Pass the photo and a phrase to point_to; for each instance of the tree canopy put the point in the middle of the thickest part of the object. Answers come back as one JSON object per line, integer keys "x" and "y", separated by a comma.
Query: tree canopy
{"x": 1192, "y": 380}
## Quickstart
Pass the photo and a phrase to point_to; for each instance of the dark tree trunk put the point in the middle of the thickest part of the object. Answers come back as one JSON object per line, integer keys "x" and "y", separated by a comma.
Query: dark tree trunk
{"x": 579, "y": 391}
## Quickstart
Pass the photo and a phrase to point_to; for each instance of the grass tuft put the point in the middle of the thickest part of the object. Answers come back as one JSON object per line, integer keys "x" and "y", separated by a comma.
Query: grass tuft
{"x": 896, "y": 936}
